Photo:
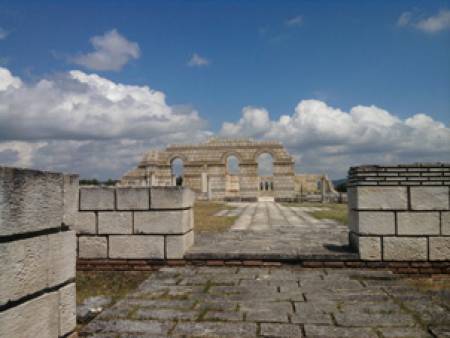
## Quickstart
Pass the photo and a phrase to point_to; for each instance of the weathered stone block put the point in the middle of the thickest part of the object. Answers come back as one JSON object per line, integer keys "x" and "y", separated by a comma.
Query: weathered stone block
{"x": 418, "y": 223}
{"x": 353, "y": 220}
{"x": 440, "y": 248}
{"x": 35, "y": 318}
{"x": 97, "y": 199}
{"x": 149, "y": 247}
{"x": 376, "y": 222}
{"x": 92, "y": 247}
{"x": 429, "y": 198}
{"x": 446, "y": 223}
{"x": 369, "y": 248}
{"x": 405, "y": 248}
{"x": 115, "y": 222}
{"x": 62, "y": 257}
{"x": 67, "y": 309}
{"x": 177, "y": 245}
{"x": 163, "y": 222}
{"x": 84, "y": 223}
{"x": 171, "y": 198}
{"x": 30, "y": 200}
{"x": 71, "y": 198}
{"x": 381, "y": 198}
{"x": 24, "y": 267}
{"x": 133, "y": 198}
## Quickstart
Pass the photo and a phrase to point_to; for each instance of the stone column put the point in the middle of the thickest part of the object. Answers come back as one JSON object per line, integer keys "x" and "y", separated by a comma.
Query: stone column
{"x": 249, "y": 181}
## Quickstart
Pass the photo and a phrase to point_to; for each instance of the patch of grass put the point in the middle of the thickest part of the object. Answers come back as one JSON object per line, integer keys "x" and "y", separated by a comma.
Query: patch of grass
{"x": 334, "y": 211}
{"x": 204, "y": 219}
{"x": 430, "y": 284}
{"x": 114, "y": 284}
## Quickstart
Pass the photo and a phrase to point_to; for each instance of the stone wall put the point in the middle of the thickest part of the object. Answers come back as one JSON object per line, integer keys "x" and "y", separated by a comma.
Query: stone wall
{"x": 134, "y": 223}
{"x": 37, "y": 256}
{"x": 400, "y": 213}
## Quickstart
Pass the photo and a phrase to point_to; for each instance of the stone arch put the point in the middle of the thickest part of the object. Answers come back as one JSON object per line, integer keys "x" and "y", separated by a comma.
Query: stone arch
{"x": 173, "y": 157}
{"x": 227, "y": 154}
{"x": 265, "y": 151}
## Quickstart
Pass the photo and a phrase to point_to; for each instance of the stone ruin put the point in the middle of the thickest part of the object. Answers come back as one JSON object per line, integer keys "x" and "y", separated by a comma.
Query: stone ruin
{"x": 205, "y": 171}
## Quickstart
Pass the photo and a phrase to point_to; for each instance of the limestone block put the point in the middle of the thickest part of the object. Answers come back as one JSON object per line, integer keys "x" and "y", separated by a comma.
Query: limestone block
{"x": 381, "y": 198}
{"x": 439, "y": 248}
{"x": 97, "y": 198}
{"x": 446, "y": 223}
{"x": 115, "y": 222}
{"x": 376, "y": 222}
{"x": 23, "y": 268}
{"x": 171, "y": 198}
{"x": 67, "y": 309}
{"x": 163, "y": 222}
{"x": 30, "y": 200}
{"x": 84, "y": 223}
{"x": 418, "y": 223}
{"x": 35, "y": 318}
{"x": 71, "y": 198}
{"x": 177, "y": 245}
{"x": 92, "y": 247}
{"x": 369, "y": 248}
{"x": 352, "y": 200}
{"x": 144, "y": 247}
{"x": 430, "y": 198}
{"x": 405, "y": 248}
{"x": 353, "y": 220}
{"x": 133, "y": 198}
{"x": 62, "y": 257}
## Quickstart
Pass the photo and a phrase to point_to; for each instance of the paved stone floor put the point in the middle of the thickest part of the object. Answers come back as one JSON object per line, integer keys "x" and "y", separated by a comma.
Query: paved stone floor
{"x": 269, "y": 230}
{"x": 279, "y": 302}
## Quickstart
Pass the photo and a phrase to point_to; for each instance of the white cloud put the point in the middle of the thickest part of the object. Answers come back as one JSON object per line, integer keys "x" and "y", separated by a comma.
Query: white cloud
{"x": 327, "y": 139}
{"x": 431, "y": 24}
{"x": 294, "y": 21}
{"x": 112, "y": 51}
{"x": 3, "y": 33}
{"x": 198, "y": 61}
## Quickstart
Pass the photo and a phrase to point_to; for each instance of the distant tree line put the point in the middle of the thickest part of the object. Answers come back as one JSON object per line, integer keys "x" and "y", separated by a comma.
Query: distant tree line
{"x": 94, "y": 181}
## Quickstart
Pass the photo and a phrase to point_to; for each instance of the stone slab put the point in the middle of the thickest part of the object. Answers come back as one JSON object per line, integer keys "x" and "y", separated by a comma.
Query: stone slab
{"x": 133, "y": 198}
{"x": 177, "y": 245}
{"x": 429, "y": 198}
{"x": 369, "y": 248}
{"x": 405, "y": 248}
{"x": 215, "y": 329}
{"x": 97, "y": 199}
{"x": 115, "y": 222}
{"x": 376, "y": 223}
{"x": 84, "y": 223}
{"x": 144, "y": 246}
{"x": 446, "y": 223}
{"x": 163, "y": 222}
{"x": 280, "y": 330}
{"x": 71, "y": 198}
{"x": 171, "y": 198}
{"x": 319, "y": 331}
{"x": 30, "y": 200}
{"x": 92, "y": 247}
{"x": 440, "y": 248}
{"x": 62, "y": 257}
{"x": 418, "y": 223}
{"x": 67, "y": 309}
{"x": 380, "y": 198}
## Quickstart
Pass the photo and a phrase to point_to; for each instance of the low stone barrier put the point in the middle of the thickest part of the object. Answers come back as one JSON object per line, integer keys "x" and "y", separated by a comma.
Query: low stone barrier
{"x": 400, "y": 213}
{"x": 133, "y": 223}
{"x": 37, "y": 256}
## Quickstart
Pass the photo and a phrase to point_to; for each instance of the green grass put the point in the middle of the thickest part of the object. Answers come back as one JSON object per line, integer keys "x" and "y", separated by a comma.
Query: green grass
{"x": 204, "y": 219}
{"x": 334, "y": 211}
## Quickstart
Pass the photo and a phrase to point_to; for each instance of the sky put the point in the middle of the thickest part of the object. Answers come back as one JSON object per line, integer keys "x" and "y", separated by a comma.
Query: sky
{"x": 88, "y": 87}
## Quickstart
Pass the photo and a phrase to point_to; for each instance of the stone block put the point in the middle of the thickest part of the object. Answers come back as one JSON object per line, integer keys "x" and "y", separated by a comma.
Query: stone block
{"x": 177, "y": 245}
{"x": 439, "y": 248}
{"x": 381, "y": 198}
{"x": 35, "y": 318}
{"x": 115, "y": 222}
{"x": 376, "y": 222}
{"x": 133, "y": 198}
{"x": 97, "y": 198}
{"x": 24, "y": 267}
{"x": 129, "y": 247}
{"x": 171, "y": 198}
{"x": 62, "y": 257}
{"x": 30, "y": 200}
{"x": 405, "y": 248}
{"x": 84, "y": 223}
{"x": 67, "y": 309}
{"x": 446, "y": 223}
{"x": 418, "y": 223}
{"x": 163, "y": 222}
{"x": 353, "y": 220}
{"x": 71, "y": 198}
{"x": 369, "y": 248}
{"x": 429, "y": 198}
{"x": 92, "y": 247}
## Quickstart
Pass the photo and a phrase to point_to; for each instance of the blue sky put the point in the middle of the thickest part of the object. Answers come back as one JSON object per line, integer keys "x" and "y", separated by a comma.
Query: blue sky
{"x": 265, "y": 54}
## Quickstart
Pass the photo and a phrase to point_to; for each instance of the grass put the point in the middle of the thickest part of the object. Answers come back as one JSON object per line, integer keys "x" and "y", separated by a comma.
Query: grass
{"x": 114, "y": 284}
{"x": 204, "y": 219}
{"x": 334, "y": 211}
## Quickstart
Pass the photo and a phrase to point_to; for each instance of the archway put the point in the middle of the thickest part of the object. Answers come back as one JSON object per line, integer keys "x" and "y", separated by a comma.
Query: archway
{"x": 177, "y": 169}
{"x": 265, "y": 174}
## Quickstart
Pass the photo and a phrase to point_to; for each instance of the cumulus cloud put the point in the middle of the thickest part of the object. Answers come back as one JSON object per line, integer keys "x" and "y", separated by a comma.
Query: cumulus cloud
{"x": 198, "y": 61}
{"x": 327, "y": 139}
{"x": 86, "y": 123}
{"x": 3, "y": 33}
{"x": 294, "y": 21}
{"x": 112, "y": 51}
{"x": 431, "y": 24}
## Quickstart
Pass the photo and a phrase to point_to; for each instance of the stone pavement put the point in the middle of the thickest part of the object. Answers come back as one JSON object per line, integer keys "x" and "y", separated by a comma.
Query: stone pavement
{"x": 269, "y": 230}
{"x": 279, "y": 302}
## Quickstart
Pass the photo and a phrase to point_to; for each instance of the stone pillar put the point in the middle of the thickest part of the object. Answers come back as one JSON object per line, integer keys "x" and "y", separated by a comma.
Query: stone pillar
{"x": 204, "y": 182}
{"x": 249, "y": 181}
{"x": 283, "y": 181}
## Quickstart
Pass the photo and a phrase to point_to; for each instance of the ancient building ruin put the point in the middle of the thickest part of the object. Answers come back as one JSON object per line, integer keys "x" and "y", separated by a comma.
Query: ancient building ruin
{"x": 206, "y": 170}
